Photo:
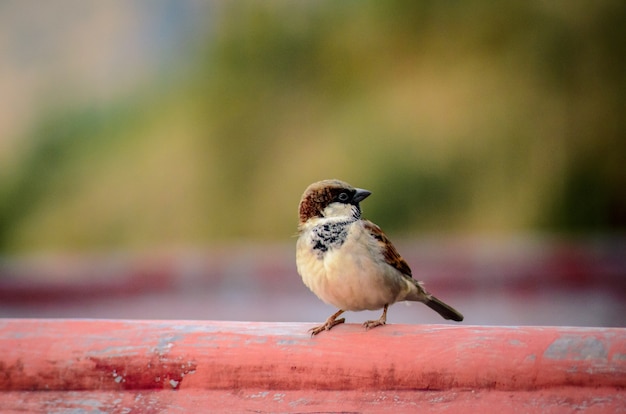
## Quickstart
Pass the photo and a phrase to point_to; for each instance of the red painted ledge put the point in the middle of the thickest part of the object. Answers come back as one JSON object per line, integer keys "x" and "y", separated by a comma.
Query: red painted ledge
{"x": 185, "y": 366}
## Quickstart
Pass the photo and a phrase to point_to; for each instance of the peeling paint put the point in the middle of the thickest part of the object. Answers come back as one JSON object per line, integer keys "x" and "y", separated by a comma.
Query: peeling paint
{"x": 141, "y": 358}
{"x": 576, "y": 348}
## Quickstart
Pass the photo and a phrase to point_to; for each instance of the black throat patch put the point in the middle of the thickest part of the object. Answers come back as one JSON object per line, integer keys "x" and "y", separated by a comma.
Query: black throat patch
{"x": 329, "y": 236}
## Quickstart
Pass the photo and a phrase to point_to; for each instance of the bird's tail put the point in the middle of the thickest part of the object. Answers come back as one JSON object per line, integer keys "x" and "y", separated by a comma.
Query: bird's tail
{"x": 446, "y": 311}
{"x": 421, "y": 295}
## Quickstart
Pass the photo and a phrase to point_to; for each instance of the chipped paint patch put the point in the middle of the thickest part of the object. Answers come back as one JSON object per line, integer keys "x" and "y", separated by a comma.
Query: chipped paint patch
{"x": 576, "y": 348}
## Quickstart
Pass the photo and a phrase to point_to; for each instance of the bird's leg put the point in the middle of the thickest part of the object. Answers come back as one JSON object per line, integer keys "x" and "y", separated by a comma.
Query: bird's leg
{"x": 330, "y": 322}
{"x": 380, "y": 321}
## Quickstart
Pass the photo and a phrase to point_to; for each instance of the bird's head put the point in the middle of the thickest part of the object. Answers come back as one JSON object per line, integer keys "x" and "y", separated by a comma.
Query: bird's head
{"x": 331, "y": 198}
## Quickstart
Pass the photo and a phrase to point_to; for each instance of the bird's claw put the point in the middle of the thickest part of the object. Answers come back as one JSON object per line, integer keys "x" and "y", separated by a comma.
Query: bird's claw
{"x": 373, "y": 324}
{"x": 327, "y": 326}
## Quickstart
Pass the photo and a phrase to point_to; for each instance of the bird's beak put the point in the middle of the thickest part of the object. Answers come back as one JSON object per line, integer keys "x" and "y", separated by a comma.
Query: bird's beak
{"x": 360, "y": 195}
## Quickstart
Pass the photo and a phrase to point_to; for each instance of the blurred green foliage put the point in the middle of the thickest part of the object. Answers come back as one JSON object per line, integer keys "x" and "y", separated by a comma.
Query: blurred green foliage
{"x": 459, "y": 116}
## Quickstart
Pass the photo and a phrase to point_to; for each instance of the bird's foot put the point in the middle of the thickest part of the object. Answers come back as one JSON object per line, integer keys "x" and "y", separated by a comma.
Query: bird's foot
{"x": 374, "y": 323}
{"x": 378, "y": 322}
{"x": 327, "y": 326}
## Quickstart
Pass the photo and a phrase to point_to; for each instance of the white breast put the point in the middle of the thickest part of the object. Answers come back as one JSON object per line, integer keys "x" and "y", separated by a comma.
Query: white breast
{"x": 353, "y": 276}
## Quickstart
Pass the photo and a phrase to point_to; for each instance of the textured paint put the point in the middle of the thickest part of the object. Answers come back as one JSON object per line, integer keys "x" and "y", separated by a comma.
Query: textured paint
{"x": 110, "y": 365}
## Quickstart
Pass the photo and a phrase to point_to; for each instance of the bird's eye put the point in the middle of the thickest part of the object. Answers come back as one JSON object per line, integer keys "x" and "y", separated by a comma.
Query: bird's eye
{"x": 343, "y": 197}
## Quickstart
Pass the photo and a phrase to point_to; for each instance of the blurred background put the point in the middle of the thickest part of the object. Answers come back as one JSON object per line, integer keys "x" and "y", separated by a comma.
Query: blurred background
{"x": 152, "y": 154}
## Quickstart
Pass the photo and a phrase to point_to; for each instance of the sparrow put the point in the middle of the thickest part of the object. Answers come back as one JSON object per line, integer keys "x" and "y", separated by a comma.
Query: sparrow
{"x": 349, "y": 262}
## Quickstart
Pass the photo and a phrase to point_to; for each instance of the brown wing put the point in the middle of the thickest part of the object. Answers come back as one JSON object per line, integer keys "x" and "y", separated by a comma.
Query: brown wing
{"x": 392, "y": 257}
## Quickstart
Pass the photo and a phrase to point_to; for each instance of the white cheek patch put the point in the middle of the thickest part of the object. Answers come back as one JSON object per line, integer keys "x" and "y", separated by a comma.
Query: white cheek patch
{"x": 349, "y": 211}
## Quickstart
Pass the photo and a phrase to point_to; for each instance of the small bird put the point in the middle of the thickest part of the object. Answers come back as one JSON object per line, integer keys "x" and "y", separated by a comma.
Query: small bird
{"x": 348, "y": 262}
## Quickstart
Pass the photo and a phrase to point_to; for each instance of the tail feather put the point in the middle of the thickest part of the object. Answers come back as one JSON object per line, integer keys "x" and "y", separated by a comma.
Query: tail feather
{"x": 446, "y": 311}
{"x": 421, "y": 295}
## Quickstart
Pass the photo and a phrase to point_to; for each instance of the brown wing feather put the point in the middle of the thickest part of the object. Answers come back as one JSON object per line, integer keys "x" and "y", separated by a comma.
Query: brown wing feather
{"x": 391, "y": 255}
{"x": 393, "y": 258}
